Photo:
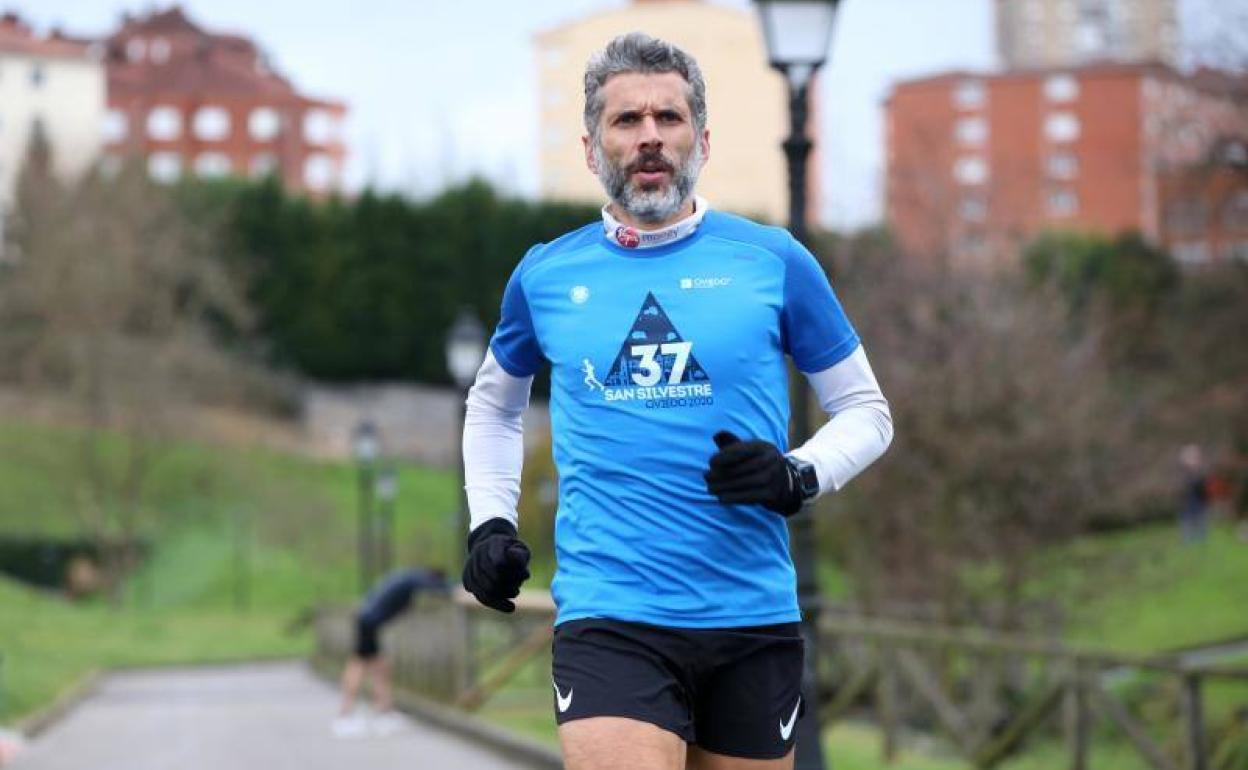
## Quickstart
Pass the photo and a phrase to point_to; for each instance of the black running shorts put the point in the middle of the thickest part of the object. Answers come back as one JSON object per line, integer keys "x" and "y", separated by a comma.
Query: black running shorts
{"x": 366, "y": 644}
{"x": 732, "y": 691}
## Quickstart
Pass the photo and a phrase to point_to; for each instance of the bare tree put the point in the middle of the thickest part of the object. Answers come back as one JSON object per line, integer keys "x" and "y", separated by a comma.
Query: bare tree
{"x": 1008, "y": 433}
{"x": 107, "y": 304}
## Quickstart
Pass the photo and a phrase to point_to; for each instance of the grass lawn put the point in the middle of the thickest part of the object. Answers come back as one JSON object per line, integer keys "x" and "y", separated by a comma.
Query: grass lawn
{"x": 1145, "y": 591}
{"x": 244, "y": 543}
{"x": 50, "y": 644}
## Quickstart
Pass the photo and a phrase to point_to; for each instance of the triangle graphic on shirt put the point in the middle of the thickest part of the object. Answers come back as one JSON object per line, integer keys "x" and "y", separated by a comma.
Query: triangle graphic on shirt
{"x": 653, "y": 327}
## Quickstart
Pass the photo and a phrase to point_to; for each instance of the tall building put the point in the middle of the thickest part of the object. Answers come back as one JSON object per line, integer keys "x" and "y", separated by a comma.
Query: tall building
{"x": 50, "y": 84}
{"x": 1061, "y": 33}
{"x": 192, "y": 101}
{"x": 977, "y": 165}
{"x": 746, "y": 101}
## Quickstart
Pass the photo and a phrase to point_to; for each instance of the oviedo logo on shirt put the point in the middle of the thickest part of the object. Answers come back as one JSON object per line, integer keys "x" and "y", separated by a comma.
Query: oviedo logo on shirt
{"x": 655, "y": 366}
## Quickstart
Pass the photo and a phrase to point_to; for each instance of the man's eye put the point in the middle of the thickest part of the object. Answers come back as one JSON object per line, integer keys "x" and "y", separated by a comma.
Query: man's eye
{"x": 626, "y": 118}
{"x": 670, "y": 117}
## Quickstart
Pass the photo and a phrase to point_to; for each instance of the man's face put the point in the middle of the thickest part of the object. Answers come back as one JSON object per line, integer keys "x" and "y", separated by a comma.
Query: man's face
{"x": 647, "y": 153}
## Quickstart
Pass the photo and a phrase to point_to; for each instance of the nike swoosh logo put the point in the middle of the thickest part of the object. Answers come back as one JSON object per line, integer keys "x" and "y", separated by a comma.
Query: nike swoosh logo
{"x": 564, "y": 703}
{"x": 785, "y": 730}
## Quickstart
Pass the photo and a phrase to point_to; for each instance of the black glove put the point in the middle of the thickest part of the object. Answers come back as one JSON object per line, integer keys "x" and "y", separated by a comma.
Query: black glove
{"x": 498, "y": 562}
{"x": 753, "y": 472}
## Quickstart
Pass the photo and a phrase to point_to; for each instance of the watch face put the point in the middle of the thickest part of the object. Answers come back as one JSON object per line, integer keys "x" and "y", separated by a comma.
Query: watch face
{"x": 809, "y": 480}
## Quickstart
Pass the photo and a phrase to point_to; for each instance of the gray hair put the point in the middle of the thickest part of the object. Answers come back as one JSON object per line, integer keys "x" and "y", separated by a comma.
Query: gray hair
{"x": 638, "y": 52}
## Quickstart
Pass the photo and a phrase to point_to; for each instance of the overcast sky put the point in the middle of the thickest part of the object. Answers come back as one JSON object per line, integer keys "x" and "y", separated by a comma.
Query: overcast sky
{"x": 440, "y": 91}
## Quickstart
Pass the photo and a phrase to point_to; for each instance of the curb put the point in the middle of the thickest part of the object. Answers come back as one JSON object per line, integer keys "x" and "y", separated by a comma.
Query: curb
{"x": 497, "y": 739}
{"x": 41, "y": 720}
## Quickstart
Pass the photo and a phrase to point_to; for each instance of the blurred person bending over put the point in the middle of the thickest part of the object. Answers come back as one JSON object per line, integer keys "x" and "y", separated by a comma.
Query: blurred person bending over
{"x": 386, "y": 601}
{"x": 666, "y": 327}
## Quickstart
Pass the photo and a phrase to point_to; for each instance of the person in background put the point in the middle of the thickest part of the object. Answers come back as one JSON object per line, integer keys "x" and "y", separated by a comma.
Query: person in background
{"x": 384, "y": 603}
{"x": 1194, "y": 512}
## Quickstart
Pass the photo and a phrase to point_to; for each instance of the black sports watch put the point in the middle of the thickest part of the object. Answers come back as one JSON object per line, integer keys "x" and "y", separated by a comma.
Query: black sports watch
{"x": 804, "y": 477}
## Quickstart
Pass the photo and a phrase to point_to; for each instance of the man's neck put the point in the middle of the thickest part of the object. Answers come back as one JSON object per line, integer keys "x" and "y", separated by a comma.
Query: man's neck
{"x": 631, "y": 237}
{"x": 624, "y": 218}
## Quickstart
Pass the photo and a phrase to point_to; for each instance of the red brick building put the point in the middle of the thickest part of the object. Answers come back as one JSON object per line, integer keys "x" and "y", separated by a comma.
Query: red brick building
{"x": 192, "y": 101}
{"x": 978, "y": 165}
{"x": 1205, "y": 214}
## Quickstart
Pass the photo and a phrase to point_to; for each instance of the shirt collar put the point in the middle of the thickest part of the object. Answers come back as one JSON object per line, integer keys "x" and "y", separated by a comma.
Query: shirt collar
{"x": 632, "y": 238}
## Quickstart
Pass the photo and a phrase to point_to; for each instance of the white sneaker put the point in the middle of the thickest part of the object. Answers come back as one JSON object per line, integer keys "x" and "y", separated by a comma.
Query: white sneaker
{"x": 388, "y": 723}
{"x": 351, "y": 726}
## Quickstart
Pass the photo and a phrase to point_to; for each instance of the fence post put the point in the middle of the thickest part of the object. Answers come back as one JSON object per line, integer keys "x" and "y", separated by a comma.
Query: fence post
{"x": 886, "y": 703}
{"x": 1078, "y": 718}
{"x": 1194, "y": 722}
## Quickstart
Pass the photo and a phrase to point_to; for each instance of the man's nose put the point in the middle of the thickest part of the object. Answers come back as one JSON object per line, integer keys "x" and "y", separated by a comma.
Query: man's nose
{"x": 649, "y": 138}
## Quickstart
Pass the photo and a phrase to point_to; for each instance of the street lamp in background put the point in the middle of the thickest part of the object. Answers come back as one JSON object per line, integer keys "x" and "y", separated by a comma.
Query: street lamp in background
{"x": 798, "y": 34}
{"x": 465, "y": 350}
{"x": 365, "y": 445}
{"x": 387, "y": 490}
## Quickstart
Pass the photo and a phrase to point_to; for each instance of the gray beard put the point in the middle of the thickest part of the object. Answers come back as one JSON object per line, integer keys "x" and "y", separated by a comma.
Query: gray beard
{"x": 653, "y": 206}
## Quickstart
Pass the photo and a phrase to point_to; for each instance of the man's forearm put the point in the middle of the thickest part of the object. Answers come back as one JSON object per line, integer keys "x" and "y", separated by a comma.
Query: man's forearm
{"x": 860, "y": 427}
{"x": 494, "y": 442}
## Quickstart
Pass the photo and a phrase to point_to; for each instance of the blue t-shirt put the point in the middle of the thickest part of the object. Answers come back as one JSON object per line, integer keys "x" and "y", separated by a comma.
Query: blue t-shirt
{"x": 652, "y": 351}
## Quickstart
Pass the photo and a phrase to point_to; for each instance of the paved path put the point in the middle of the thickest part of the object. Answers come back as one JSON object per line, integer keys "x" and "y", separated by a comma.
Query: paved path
{"x": 264, "y": 717}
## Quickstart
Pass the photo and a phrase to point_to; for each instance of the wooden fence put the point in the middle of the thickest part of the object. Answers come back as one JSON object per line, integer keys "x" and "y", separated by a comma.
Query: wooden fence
{"x": 988, "y": 693}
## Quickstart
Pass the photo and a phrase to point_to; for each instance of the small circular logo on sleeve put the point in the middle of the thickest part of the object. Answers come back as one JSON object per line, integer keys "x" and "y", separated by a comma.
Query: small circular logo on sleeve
{"x": 579, "y": 294}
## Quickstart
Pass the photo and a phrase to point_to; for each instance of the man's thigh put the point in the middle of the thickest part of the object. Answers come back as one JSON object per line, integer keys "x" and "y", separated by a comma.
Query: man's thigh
{"x": 700, "y": 759}
{"x": 616, "y": 743}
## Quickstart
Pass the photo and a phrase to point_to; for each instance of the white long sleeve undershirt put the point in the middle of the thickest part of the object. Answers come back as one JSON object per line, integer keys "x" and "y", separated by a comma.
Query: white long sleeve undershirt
{"x": 857, "y": 432}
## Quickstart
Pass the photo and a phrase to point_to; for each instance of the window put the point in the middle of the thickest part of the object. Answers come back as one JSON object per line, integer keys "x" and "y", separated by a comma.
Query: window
{"x": 164, "y": 166}
{"x": 212, "y": 124}
{"x": 971, "y": 131}
{"x": 969, "y": 94}
{"x": 1090, "y": 37}
{"x": 263, "y": 165}
{"x": 319, "y": 127}
{"x": 1192, "y": 252}
{"x": 38, "y": 74}
{"x": 1237, "y": 251}
{"x": 1235, "y": 213}
{"x": 1061, "y": 127}
{"x": 212, "y": 165}
{"x": 973, "y": 208}
{"x": 318, "y": 172}
{"x": 1061, "y": 88}
{"x": 263, "y": 124}
{"x": 114, "y": 126}
{"x": 164, "y": 123}
{"x": 1062, "y": 165}
{"x": 136, "y": 49}
{"x": 970, "y": 170}
{"x": 159, "y": 50}
{"x": 110, "y": 166}
{"x": 972, "y": 244}
{"x": 1188, "y": 216}
{"x": 1062, "y": 203}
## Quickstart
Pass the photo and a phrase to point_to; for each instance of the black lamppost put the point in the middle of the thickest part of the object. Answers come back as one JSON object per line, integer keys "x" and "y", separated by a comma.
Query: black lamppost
{"x": 387, "y": 490}
{"x": 798, "y": 33}
{"x": 465, "y": 349}
{"x": 364, "y": 445}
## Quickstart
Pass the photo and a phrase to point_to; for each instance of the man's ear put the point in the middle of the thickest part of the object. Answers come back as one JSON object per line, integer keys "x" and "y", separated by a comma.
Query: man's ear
{"x": 588, "y": 144}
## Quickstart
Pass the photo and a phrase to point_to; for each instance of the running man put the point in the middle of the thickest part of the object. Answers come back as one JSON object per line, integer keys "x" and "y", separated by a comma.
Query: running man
{"x": 677, "y": 641}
